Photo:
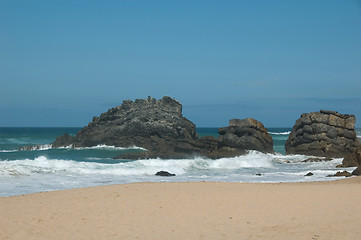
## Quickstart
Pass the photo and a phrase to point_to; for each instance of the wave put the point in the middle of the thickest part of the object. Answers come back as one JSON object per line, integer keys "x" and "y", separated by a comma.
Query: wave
{"x": 184, "y": 168}
{"x": 300, "y": 159}
{"x": 17, "y": 141}
{"x": 280, "y": 133}
{"x": 43, "y": 147}
{"x": 44, "y": 165}
{"x": 7, "y": 151}
{"x": 106, "y": 147}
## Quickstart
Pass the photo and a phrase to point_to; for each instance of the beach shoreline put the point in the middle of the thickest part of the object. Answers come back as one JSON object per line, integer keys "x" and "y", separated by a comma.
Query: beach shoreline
{"x": 188, "y": 210}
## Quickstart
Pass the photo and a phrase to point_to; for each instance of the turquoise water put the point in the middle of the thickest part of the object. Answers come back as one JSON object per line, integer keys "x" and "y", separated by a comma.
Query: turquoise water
{"x": 49, "y": 169}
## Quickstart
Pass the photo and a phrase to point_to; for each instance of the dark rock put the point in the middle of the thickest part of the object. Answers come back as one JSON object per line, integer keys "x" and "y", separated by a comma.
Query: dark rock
{"x": 164, "y": 174}
{"x": 35, "y": 147}
{"x": 341, "y": 174}
{"x": 317, "y": 160}
{"x": 309, "y": 174}
{"x": 208, "y": 143}
{"x": 245, "y": 134}
{"x": 63, "y": 141}
{"x": 352, "y": 160}
{"x": 159, "y": 127}
{"x": 357, "y": 171}
{"x": 324, "y": 134}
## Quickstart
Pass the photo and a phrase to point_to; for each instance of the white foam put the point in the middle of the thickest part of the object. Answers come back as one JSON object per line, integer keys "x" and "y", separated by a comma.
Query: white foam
{"x": 45, "y": 173}
{"x": 97, "y": 147}
{"x": 253, "y": 159}
{"x": 42, "y": 147}
{"x": 107, "y": 147}
{"x": 197, "y": 165}
{"x": 6, "y": 151}
{"x": 280, "y": 133}
{"x": 42, "y": 164}
{"x": 66, "y": 147}
{"x": 96, "y": 158}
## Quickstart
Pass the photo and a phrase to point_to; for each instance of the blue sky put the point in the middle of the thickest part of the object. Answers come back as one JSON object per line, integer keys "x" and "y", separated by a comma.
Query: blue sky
{"x": 62, "y": 62}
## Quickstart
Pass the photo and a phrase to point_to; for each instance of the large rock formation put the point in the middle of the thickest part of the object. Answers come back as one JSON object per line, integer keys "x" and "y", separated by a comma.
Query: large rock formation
{"x": 247, "y": 134}
{"x": 324, "y": 133}
{"x": 157, "y": 126}
{"x": 160, "y": 128}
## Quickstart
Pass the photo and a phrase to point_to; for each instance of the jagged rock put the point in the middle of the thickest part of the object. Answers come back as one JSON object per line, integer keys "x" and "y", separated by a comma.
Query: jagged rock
{"x": 246, "y": 134}
{"x": 208, "y": 143}
{"x": 341, "y": 174}
{"x": 317, "y": 160}
{"x": 357, "y": 171}
{"x": 224, "y": 152}
{"x": 159, "y": 127}
{"x": 324, "y": 134}
{"x": 309, "y": 174}
{"x": 63, "y": 141}
{"x": 164, "y": 174}
{"x": 352, "y": 160}
{"x": 144, "y": 122}
{"x": 35, "y": 147}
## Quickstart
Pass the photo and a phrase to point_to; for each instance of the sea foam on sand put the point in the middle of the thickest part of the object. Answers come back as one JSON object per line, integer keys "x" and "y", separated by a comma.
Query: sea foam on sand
{"x": 197, "y": 210}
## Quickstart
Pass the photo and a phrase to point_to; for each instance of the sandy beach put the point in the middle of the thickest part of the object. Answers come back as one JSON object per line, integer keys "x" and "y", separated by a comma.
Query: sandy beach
{"x": 197, "y": 210}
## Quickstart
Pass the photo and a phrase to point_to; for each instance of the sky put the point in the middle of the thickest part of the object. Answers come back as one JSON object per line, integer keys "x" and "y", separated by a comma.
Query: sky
{"x": 63, "y": 62}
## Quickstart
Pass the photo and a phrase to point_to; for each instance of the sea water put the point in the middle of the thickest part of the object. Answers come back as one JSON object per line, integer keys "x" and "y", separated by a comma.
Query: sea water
{"x": 47, "y": 169}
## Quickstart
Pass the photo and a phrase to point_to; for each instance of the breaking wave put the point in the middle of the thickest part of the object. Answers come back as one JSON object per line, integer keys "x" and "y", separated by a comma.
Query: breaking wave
{"x": 43, "y": 164}
{"x": 280, "y": 133}
{"x": 44, "y": 147}
{"x": 8, "y": 151}
{"x": 107, "y": 147}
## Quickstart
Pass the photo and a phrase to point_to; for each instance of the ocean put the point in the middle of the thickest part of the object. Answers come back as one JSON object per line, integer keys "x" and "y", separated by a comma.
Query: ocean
{"x": 46, "y": 169}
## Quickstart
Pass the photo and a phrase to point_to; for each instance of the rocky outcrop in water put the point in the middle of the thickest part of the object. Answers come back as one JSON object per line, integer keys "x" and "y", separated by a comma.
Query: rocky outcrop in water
{"x": 340, "y": 174}
{"x": 357, "y": 171}
{"x": 159, "y": 127}
{"x": 245, "y": 134}
{"x": 165, "y": 174}
{"x": 63, "y": 141}
{"x": 324, "y": 133}
{"x": 352, "y": 160}
{"x": 241, "y": 135}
